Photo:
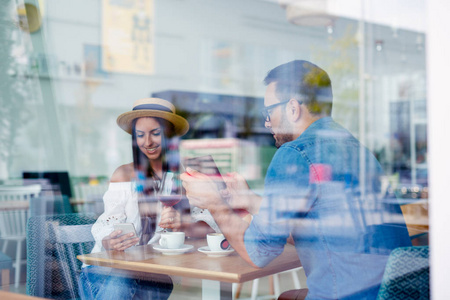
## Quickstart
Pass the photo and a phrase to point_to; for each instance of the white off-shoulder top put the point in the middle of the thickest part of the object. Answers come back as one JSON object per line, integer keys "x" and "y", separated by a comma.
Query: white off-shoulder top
{"x": 121, "y": 206}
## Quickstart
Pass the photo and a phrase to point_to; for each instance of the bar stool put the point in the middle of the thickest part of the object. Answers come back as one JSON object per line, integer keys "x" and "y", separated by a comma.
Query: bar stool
{"x": 5, "y": 267}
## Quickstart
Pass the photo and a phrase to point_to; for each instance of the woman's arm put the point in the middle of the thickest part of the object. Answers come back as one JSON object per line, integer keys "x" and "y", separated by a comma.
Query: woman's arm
{"x": 115, "y": 200}
{"x": 124, "y": 173}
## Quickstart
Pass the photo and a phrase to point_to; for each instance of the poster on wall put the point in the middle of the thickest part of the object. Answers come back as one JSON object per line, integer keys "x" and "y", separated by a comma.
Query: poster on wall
{"x": 127, "y": 36}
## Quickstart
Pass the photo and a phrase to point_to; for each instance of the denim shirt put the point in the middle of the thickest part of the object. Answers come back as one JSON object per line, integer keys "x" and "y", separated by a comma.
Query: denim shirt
{"x": 324, "y": 189}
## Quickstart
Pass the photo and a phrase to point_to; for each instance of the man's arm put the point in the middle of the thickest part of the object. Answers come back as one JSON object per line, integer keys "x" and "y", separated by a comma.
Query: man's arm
{"x": 233, "y": 227}
{"x": 202, "y": 192}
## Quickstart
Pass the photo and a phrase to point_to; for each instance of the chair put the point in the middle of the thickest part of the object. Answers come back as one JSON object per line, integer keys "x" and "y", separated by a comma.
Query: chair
{"x": 17, "y": 193}
{"x": 5, "y": 267}
{"x": 59, "y": 181}
{"x": 71, "y": 241}
{"x": 53, "y": 242}
{"x": 15, "y": 202}
{"x": 50, "y": 205}
{"x": 12, "y": 226}
{"x": 274, "y": 281}
{"x": 407, "y": 274}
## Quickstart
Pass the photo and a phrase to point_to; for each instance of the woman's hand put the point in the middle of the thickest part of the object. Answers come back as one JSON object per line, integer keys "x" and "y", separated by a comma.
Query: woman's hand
{"x": 115, "y": 241}
{"x": 170, "y": 218}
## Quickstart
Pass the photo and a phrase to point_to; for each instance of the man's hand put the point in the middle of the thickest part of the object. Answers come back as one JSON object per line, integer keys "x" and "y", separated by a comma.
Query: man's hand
{"x": 200, "y": 189}
{"x": 240, "y": 194}
{"x": 202, "y": 192}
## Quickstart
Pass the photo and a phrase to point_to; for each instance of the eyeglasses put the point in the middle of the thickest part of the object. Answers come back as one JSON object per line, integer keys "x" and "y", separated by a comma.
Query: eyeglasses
{"x": 266, "y": 109}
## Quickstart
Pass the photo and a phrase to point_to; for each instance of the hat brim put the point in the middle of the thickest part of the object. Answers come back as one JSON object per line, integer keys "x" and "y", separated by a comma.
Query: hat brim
{"x": 125, "y": 120}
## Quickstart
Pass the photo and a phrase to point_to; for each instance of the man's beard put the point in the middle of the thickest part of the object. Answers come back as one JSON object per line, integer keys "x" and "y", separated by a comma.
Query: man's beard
{"x": 284, "y": 136}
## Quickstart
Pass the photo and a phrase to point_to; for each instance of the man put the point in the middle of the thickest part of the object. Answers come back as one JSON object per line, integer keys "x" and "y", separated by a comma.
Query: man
{"x": 322, "y": 190}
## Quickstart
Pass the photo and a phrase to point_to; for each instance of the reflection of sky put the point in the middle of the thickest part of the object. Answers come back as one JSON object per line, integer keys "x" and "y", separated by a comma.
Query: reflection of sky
{"x": 404, "y": 14}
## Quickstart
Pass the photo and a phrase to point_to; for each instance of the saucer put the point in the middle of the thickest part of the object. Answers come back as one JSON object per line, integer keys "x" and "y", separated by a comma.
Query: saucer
{"x": 215, "y": 253}
{"x": 166, "y": 251}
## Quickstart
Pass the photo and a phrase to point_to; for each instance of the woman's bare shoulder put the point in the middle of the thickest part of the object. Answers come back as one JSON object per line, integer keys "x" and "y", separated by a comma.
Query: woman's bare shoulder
{"x": 124, "y": 173}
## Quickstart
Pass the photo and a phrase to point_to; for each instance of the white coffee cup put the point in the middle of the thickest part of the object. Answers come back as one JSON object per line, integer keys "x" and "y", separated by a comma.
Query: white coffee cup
{"x": 217, "y": 242}
{"x": 172, "y": 240}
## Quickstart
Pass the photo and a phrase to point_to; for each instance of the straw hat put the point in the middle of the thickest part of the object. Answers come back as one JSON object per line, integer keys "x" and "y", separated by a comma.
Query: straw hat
{"x": 153, "y": 107}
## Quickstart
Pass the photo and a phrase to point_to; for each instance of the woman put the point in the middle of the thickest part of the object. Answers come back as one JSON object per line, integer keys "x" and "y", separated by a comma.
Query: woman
{"x": 151, "y": 123}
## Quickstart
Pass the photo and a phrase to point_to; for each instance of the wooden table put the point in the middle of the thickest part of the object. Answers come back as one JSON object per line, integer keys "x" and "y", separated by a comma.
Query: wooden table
{"x": 16, "y": 296}
{"x": 415, "y": 212}
{"x": 217, "y": 273}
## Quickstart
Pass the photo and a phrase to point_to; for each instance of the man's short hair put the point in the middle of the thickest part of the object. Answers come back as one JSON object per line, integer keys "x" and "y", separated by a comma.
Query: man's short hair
{"x": 303, "y": 81}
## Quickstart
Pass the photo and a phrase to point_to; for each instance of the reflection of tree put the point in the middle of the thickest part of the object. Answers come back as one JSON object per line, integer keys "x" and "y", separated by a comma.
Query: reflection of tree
{"x": 88, "y": 129}
{"x": 13, "y": 84}
{"x": 340, "y": 61}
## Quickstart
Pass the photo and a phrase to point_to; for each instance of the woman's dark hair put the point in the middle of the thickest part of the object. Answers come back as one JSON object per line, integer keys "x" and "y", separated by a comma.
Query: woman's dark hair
{"x": 141, "y": 162}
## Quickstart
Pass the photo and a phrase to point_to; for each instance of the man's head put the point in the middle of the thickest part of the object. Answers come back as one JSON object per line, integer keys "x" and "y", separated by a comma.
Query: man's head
{"x": 297, "y": 94}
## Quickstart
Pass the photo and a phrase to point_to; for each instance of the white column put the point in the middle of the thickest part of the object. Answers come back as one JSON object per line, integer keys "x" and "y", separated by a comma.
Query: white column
{"x": 438, "y": 66}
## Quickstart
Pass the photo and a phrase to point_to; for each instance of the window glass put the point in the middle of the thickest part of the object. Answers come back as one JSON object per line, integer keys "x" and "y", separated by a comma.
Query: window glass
{"x": 69, "y": 69}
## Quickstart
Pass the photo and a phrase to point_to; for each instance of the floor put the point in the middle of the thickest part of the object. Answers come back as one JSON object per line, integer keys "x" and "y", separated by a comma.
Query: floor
{"x": 188, "y": 288}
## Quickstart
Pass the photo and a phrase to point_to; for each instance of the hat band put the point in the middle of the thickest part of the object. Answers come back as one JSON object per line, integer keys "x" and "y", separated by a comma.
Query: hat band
{"x": 153, "y": 107}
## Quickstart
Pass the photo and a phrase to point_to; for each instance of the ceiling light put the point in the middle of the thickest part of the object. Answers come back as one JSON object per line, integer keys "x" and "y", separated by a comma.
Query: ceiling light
{"x": 308, "y": 12}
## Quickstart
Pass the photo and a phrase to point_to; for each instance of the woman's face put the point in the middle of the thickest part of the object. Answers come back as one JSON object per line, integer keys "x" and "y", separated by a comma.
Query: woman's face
{"x": 148, "y": 137}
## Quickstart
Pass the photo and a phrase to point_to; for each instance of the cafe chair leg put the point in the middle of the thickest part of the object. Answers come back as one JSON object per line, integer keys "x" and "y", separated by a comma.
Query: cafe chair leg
{"x": 238, "y": 287}
{"x": 237, "y": 290}
{"x": 271, "y": 285}
{"x": 5, "y": 246}
{"x": 18, "y": 263}
{"x": 295, "y": 280}
{"x": 274, "y": 286}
